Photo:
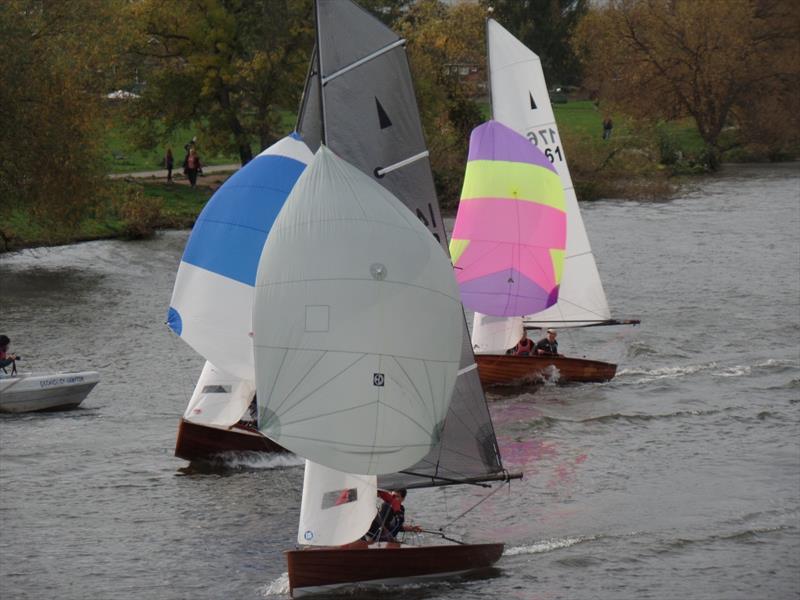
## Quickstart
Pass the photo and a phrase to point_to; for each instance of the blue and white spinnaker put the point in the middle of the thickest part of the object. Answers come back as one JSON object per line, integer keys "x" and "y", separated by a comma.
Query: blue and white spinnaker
{"x": 211, "y": 306}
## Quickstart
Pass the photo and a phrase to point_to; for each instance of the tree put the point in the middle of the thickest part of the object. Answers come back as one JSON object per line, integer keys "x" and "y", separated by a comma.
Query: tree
{"x": 709, "y": 60}
{"x": 52, "y": 84}
{"x": 443, "y": 41}
{"x": 230, "y": 65}
{"x": 546, "y": 27}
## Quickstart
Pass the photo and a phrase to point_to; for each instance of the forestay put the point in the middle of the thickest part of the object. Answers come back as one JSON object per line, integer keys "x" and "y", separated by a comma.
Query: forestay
{"x": 212, "y": 301}
{"x": 337, "y": 508}
{"x": 509, "y": 234}
{"x": 371, "y": 120}
{"x": 520, "y": 100}
{"x": 357, "y": 325}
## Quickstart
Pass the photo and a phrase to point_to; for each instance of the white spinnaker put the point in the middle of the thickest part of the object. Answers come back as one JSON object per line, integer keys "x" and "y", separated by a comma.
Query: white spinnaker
{"x": 358, "y": 325}
{"x": 219, "y": 399}
{"x": 495, "y": 334}
{"x": 520, "y": 100}
{"x": 337, "y": 508}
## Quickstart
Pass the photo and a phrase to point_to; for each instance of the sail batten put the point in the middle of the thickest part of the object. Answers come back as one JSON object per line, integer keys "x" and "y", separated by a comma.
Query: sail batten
{"x": 362, "y": 61}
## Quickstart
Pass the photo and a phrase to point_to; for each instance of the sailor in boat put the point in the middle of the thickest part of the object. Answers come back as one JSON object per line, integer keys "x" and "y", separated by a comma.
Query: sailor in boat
{"x": 7, "y": 358}
{"x": 249, "y": 419}
{"x": 548, "y": 346}
{"x": 390, "y": 520}
{"x": 524, "y": 347}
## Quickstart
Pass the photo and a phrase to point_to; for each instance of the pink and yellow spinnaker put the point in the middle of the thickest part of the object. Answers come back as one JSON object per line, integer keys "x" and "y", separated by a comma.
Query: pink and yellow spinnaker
{"x": 511, "y": 228}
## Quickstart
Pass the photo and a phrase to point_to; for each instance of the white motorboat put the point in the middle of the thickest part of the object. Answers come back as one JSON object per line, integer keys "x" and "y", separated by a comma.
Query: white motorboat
{"x": 29, "y": 392}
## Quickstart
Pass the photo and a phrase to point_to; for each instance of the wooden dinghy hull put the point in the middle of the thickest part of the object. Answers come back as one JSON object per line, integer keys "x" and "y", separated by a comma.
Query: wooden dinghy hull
{"x": 322, "y": 567}
{"x": 203, "y": 442}
{"x": 503, "y": 369}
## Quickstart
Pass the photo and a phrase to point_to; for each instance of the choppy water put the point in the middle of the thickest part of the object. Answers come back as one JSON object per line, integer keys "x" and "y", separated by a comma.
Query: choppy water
{"x": 679, "y": 479}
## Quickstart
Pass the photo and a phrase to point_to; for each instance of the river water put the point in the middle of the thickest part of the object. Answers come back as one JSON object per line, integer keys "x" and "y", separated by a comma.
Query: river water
{"x": 678, "y": 479}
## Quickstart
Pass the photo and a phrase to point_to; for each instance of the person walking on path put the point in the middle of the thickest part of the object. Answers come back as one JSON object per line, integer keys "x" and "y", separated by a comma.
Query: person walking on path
{"x": 608, "y": 125}
{"x": 169, "y": 163}
{"x": 192, "y": 167}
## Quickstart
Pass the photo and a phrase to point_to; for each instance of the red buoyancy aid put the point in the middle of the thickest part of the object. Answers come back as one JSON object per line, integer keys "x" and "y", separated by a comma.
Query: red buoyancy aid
{"x": 524, "y": 347}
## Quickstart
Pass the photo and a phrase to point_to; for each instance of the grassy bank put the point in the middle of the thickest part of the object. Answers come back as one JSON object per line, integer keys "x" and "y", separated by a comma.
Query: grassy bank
{"x": 132, "y": 145}
{"x": 130, "y": 209}
{"x": 630, "y": 164}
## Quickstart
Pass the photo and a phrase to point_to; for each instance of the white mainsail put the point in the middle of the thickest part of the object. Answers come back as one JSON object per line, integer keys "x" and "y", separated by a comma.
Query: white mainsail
{"x": 337, "y": 508}
{"x": 492, "y": 334}
{"x": 357, "y": 325}
{"x": 520, "y": 100}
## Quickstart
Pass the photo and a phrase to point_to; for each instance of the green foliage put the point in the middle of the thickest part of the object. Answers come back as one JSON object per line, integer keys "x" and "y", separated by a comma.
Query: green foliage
{"x": 228, "y": 67}
{"x": 128, "y": 209}
{"x": 439, "y": 36}
{"x": 546, "y": 27}
{"x": 732, "y": 67}
{"x": 51, "y": 84}
{"x": 140, "y": 214}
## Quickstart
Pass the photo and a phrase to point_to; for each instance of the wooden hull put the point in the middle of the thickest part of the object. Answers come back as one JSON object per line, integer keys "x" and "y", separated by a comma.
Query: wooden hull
{"x": 502, "y": 369}
{"x": 319, "y": 567}
{"x": 202, "y": 442}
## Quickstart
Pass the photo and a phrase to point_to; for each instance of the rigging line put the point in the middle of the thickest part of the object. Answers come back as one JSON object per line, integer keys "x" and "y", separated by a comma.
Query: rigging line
{"x": 361, "y": 61}
{"x": 481, "y": 501}
{"x": 380, "y": 172}
{"x": 443, "y": 536}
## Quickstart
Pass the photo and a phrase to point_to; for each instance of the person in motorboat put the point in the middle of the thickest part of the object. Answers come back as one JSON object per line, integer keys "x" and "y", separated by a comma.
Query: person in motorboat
{"x": 548, "y": 346}
{"x": 7, "y": 358}
{"x": 390, "y": 520}
{"x": 524, "y": 347}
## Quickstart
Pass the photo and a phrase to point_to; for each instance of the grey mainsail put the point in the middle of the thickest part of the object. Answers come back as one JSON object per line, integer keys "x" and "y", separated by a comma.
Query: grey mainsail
{"x": 359, "y": 100}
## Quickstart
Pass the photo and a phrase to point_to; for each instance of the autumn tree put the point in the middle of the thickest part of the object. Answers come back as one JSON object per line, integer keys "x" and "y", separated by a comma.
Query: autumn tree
{"x": 724, "y": 64}
{"x": 53, "y": 75}
{"x": 447, "y": 54}
{"x": 230, "y": 66}
{"x": 546, "y": 27}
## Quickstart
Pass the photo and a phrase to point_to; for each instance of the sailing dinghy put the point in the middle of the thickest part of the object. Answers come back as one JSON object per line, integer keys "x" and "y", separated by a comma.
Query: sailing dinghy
{"x": 520, "y": 101}
{"x": 211, "y": 306}
{"x": 359, "y": 101}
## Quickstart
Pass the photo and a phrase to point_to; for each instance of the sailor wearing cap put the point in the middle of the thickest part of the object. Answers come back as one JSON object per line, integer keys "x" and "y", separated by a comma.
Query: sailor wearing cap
{"x": 548, "y": 346}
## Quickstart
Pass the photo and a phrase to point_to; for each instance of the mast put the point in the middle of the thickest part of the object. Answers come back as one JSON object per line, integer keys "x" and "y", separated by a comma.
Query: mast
{"x": 371, "y": 120}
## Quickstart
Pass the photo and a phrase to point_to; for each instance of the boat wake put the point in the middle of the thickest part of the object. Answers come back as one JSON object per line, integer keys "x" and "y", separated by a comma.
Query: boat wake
{"x": 638, "y": 376}
{"x": 259, "y": 460}
{"x": 746, "y": 535}
{"x": 243, "y": 461}
{"x": 548, "y": 545}
{"x": 276, "y": 587}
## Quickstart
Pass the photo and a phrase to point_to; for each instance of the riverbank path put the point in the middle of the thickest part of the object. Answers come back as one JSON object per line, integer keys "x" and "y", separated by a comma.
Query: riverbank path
{"x": 176, "y": 173}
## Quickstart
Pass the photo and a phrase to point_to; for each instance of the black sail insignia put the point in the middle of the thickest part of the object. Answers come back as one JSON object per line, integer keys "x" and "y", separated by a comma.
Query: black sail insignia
{"x": 383, "y": 119}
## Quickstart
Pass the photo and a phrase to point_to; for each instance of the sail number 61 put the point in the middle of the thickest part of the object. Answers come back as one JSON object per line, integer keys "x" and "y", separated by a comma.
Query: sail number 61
{"x": 544, "y": 134}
